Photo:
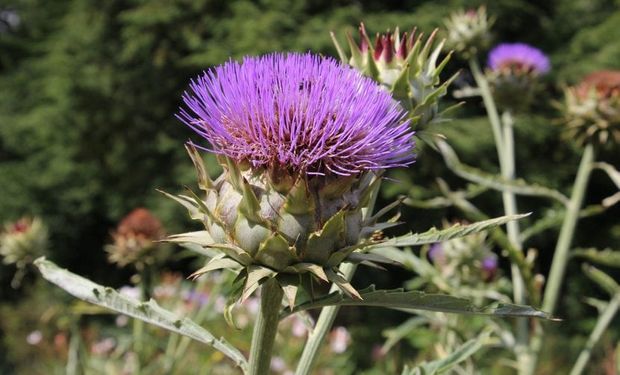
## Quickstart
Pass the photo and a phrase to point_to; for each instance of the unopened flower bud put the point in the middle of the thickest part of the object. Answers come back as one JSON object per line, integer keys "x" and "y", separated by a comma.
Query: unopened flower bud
{"x": 469, "y": 32}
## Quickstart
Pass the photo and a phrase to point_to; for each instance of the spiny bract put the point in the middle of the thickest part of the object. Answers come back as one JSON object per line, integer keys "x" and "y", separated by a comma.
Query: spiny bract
{"x": 303, "y": 141}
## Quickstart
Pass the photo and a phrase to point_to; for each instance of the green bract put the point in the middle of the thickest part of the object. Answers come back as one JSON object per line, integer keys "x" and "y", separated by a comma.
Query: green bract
{"x": 282, "y": 228}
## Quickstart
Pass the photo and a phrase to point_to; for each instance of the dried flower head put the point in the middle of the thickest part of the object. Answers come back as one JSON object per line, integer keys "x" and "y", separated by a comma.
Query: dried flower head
{"x": 134, "y": 236}
{"x": 592, "y": 108}
{"x": 298, "y": 114}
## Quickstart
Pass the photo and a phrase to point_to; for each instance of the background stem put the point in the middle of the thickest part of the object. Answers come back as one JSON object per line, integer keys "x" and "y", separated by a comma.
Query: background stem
{"x": 504, "y": 141}
{"x": 560, "y": 255}
{"x": 601, "y": 325}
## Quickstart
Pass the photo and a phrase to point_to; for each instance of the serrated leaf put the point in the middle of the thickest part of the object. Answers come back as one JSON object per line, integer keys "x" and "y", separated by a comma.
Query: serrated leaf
{"x": 149, "y": 312}
{"x": 606, "y": 282}
{"x": 438, "y": 235}
{"x": 606, "y": 257}
{"x": 416, "y": 300}
{"x": 359, "y": 257}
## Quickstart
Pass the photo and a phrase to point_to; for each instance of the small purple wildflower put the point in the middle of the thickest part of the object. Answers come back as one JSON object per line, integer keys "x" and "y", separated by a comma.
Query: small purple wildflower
{"x": 436, "y": 254}
{"x": 519, "y": 58}
{"x": 489, "y": 267}
{"x": 298, "y": 114}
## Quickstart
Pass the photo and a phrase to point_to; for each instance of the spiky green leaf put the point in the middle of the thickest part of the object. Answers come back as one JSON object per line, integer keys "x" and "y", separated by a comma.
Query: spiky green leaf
{"x": 438, "y": 235}
{"x": 416, "y": 300}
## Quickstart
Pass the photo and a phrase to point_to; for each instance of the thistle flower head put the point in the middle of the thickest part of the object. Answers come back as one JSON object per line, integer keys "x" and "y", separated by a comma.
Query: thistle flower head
{"x": 303, "y": 141}
{"x": 298, "y": 115}
{"x": 513, "y": 71}
{"x": 592, "y": 108}
{"x": 518, "y": 59}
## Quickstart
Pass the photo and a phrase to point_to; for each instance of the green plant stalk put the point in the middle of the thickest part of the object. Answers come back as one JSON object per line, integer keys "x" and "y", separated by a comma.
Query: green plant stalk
{"x": 322, "y": 327}
{"x": 265, "y": 328}
{"x": 328, "y": 314}
{"x": 601, "y": 325}
{"x": 561, "y": 255}
{"x": 504, "y": 142}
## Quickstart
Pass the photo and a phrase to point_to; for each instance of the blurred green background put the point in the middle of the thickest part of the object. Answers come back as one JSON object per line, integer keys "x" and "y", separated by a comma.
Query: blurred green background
{"x": 88, "y": 92}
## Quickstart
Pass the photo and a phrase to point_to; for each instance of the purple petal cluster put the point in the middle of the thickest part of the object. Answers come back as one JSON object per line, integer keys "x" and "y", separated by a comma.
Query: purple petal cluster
{"x": 298, "y": 113}
{"x": 520, "y": 57}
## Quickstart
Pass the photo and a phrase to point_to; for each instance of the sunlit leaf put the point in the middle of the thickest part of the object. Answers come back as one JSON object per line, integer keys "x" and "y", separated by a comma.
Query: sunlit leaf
{"x": 149, "y": 312}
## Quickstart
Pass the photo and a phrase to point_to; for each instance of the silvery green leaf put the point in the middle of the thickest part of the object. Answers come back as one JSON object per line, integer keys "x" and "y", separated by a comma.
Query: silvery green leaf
{"x": 416, "y": 300}
{"x": 438, "y": 235}
{"x": 149, "y": 312}
{"x": 606, "y": 257}
{"x": 495, "y": 182}
{"x": 441, "y": 365}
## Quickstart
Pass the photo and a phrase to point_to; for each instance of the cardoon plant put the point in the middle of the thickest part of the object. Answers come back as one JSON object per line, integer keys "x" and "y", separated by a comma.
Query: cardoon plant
{"x": 303, "y": 141}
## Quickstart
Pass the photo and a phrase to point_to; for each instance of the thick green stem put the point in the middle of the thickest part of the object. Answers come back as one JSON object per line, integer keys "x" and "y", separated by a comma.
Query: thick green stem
{"x": 560, "y": 256}
{"x": 322, "y": 327}
{"x": 601, "y": 325}
{"x": 266, "y": 327}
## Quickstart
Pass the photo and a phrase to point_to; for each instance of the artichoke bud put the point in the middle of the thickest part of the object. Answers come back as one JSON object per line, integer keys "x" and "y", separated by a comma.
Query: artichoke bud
{"x": 311, "y": 227}
{"x": 591, "y": 110}
{"x": 469, "y": 32}
{"x": 408, "y": 66}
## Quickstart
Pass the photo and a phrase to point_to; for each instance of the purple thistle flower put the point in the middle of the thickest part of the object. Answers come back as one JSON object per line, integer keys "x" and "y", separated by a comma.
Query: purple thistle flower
{"x": 298, "y": 114}
{"x": 518, "y": 57}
